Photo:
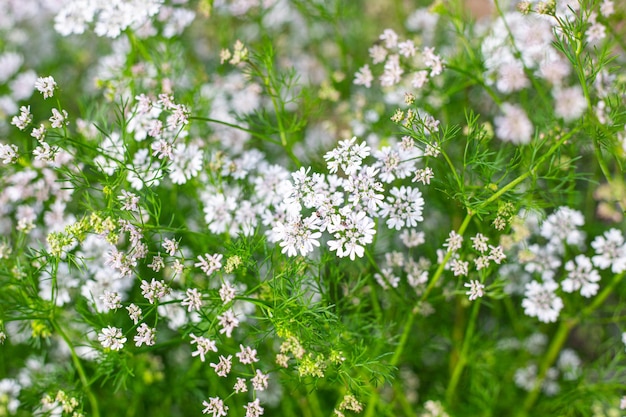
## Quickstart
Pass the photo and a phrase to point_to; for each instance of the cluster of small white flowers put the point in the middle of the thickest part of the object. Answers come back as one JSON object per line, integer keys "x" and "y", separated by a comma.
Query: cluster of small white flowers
{"x": 476, "y": 289}
{"x": 562, "y": 225}
{"x": 22, "y": 120}
{"x": 154, "y": 290}
{"x": 610, "y": 251}
{"x": 403, "y": 208}
{"x": 347, "y": 206}
{"x": 391, "y": 52}
{"x": 228, "y": 320}
{"x": 210, "y": 263}
{"x": 513, "y": 125}
{"x": 111, "y": 300}
{"x": 46, "y": 86}
{"x": 112, "y": 338}
{"x": 215, "y": 406}
{"x": 110, "y": 19}
{"x": 193, "y": 300}
{"x": 581, "y": 276}
{"x": 145, "y": 335}
{"x": 223, "y": 367}
{"x": 203, "y": 345}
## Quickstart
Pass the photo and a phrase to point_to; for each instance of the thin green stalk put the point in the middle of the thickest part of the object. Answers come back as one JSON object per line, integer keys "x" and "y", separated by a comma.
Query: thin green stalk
{"x": 93, "y": 401}
{"x": 460, "y": 364}
{"x": 234, "y": 126}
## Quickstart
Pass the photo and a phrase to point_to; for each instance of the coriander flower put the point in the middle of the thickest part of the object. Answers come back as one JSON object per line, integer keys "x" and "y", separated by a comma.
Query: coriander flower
{"x": 513, "y": 126}
{"x": 562, "y": 225}
{"x": 260, "y": 381}
{"x": 364, "y": 77}
{"x": 145, "y": 335}
{"x": 58, "y": 118}
{"x": 222, "y": 368}
{"x": 350, "y": 234}
{"x": 112, "y": 338}
{"x": 215, "y": 406}
{"x": 541, "y": 301}
{"x": 403, "y": 208}
{"x": 253, "y": 409}
{"x": 203, "y": 344}
{"x": 475, "y": 289}
{"x": 581, "y": 276}
{"x": 24, "y": 118}
{"x": 193, "y": 300}
{"x": 228, "y": 321}
{"x": 347, "y": 155}
{"x": 210, "y": 263}
{"x": 46, "y": 86}
{"x": 8, "y": 154}
{"x": 247, "y": 355}
{"x": 611, "y": 251}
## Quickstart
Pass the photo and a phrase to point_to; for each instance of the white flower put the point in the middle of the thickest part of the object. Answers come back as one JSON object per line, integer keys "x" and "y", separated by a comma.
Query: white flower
{"x": 210, "y": 263}
{"x": 227, "y": 293}
{"x": 479, "y": 242}
{"x": 112, "y": 338}
{"x": 514, "y": 125}
{"x": 475, "y": 289}
{"x": 392, "y": 71}
{"x": 611, "y": 251}
{"x": 134, "y": 313}
{"x": 240, "y": 386}
{"x": 297, "y": 235}
{"x": 581, "y": 276}
{"x": 58, "y": 119}
{"x": 186, "y": 163}
{"x": 350, "y": 234}
{"x": 24, "y": 118}
{"x": 541, "y": 301}
{"x": 253, "y": 409}
{"x": 562, "y": 225}
{"x": 364, "y": 77}
{"x": 390, "y": 37}
{"x": 222, "y": 368}
{"x": 145, "y": 335}
{"x": 403, "y": 208}
{"x": 459, "y": 267}
{"x": 347, "y": 155}
{"x": 569, "y": 103}
{"x": 203, "y": 345}
{"x": 453, "y": 242}
{"x": 111, "y": 300}
{"x": 8, "y": 153}
{"x": 247, "y": 355}
{"x": 193, "y": 301}
{"x": 155, "y": 290}
{"x": 228, "y": 321}
{"x": 260, "y": 381}
{"x": 215, "y": 406}
{"x": 45, "y": 85}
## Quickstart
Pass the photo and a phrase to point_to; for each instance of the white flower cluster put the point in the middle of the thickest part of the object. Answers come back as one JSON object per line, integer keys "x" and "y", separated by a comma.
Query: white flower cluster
{"x": 423, "y": 64}
{"x": 561, "y": 231}
{"x": 346, "y": 206}
{"x": 111, "y": 18}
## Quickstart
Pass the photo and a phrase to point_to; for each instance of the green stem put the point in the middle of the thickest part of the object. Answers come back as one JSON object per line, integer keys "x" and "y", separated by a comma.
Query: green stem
{"x": 243, "y": 129}
{"x": 79, "y": 368}
{"x": 460, "y": 364}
